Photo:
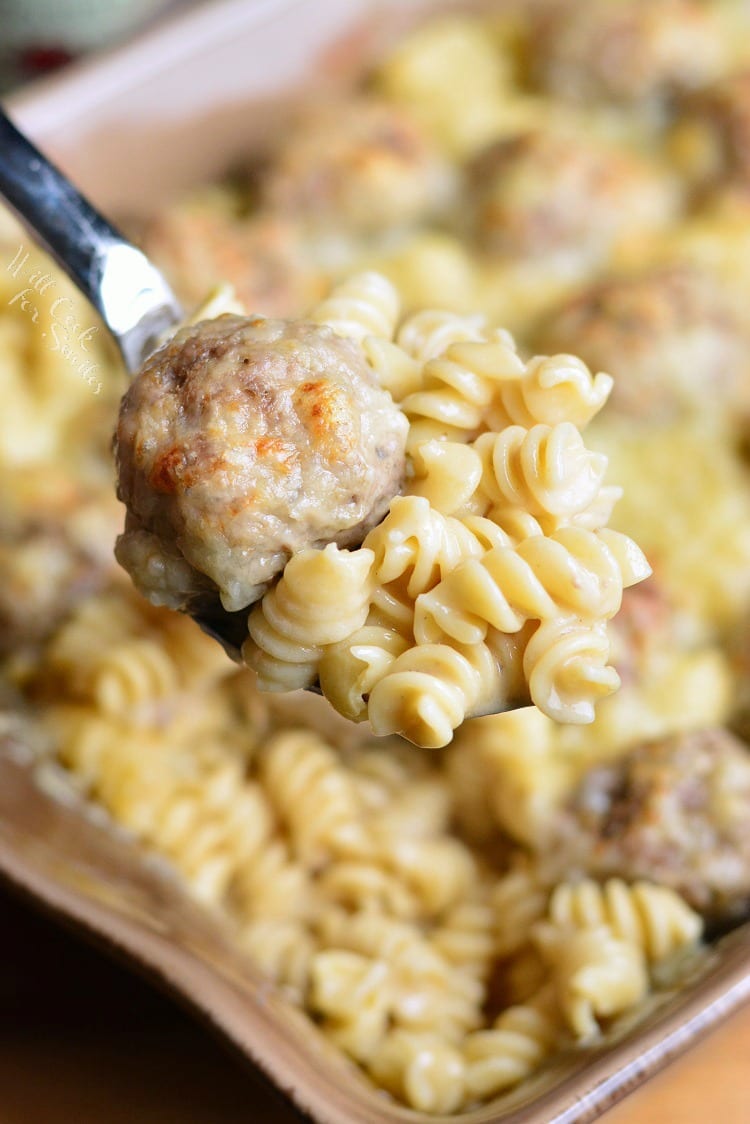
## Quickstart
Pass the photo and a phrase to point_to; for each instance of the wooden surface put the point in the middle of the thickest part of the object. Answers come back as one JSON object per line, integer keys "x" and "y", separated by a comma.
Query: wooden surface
{"x": 82, "y": 1041}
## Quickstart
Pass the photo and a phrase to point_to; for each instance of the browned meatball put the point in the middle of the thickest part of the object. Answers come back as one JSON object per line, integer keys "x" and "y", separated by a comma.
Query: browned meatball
{"x": 201, "y": 243}
{"x": 677, "y": 812}
{"x": 56, "y": 535}
{"x": 360, "y": 165}
{"x": 240, "y": 443}
{"x": 551, "y": 192}
{"x": 673, "y": 339}
{"x": 43, "y": 575}
{"x": 722, "y": 113}
{"x": 625, "y": 50}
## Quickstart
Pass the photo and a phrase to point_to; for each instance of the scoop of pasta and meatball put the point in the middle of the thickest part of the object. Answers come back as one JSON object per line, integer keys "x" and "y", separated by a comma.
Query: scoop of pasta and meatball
{"x": 242, "y": 442}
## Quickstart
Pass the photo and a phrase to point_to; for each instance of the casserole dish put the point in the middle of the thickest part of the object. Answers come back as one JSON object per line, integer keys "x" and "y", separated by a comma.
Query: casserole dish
{"x": 99, "y": 123}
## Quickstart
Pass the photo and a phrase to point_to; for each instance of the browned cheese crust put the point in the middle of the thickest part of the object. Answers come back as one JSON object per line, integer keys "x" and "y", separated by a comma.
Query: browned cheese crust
{"x": 242, "y": 442}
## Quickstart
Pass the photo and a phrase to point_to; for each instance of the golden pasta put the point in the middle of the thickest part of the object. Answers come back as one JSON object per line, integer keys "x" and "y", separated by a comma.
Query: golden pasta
{"x": 453, "y": 913}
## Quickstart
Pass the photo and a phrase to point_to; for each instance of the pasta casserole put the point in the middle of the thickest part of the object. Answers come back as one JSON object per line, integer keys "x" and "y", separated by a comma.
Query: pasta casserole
{"x": 511, "y": 203}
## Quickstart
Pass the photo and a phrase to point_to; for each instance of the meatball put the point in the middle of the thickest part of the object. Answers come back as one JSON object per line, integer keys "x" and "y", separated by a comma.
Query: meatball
{"x": 202, "y": 243}
{"x": 358, "y": 166}
{"x": 243, "y": 441}
{"x": 672, "y": 338}
{"x": 626, "y": 50}
{"x": 43, "y": 575}
{"x": 56, "y": 535}
{"x": 675, "y": 811}
{"x": 552, "y": 192}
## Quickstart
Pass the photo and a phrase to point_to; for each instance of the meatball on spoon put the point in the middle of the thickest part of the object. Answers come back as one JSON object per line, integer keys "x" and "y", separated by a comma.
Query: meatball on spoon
{"x": 266, "y": 437}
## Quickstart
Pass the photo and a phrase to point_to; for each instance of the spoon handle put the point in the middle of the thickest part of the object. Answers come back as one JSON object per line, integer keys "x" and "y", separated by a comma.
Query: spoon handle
{"x": 130, "y": 294}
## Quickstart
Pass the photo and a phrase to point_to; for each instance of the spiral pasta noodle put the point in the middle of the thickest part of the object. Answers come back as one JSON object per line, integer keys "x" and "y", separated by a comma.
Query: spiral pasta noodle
{"x": 546, "y": 470}
{"x": 422, "y": 1069}
{"x": 552, "y": 389}
{"x": 322, "y": 596}
{"x": 367, "y": 886}
{"x": 313, "y": 794}
{"x": 654, "y": 918}
{"x": 572, "y": 571}
{"x": 466, "y": 939}
{"x": 518, "y": 900}
{"x": 437, "y": 871}
{"x": 428, "y": 333}
{"x": 367, "y": 304}
{"x": 350, "y": 992}
{"x": 596, "y": 975}
{"x": 514, "y": 1047}
{"x": 566, "y": 664}
{"x": 447, "y": 474}
{"x": 458, "y": 389}
{"x": 423, "y": 990}
{"x": 417, "y": 544}
{"x": 271, "y": 884}
{"x": 283, "y": 951}
{"x": 431, "y": 688}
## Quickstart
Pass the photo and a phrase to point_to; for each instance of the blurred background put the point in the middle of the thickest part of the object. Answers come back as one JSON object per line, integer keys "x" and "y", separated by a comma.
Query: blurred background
{"x": 38, "y": 36}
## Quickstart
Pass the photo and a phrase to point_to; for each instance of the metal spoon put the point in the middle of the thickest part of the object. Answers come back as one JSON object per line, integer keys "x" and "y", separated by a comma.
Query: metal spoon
{"x": 127, "y": 290}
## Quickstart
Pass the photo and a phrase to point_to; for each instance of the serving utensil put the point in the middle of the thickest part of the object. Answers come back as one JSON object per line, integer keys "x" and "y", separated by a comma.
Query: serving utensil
{"x": 131, "y": 295}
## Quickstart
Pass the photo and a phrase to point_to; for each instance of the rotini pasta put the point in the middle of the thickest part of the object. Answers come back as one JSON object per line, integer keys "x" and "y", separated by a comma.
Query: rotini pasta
{"x": 421, "y": 1069}
{"x": 430, "y": 332}
{"x": 350, "y": 991}
{"x": 513, "y": 1048}
{"x": 322, "y": 596}
{"x": 596, "y": 975}
{"x": 447, "y": 474}
{"x": 554, "y": 389}
{"x": 365, "y": 305}
{"x": 450, "y": 920}
{"x": 313, "y": 795}
{"x": 430, "y": 689}
{"x": 283, "y": 950}
{"x": 518, "y": 900}
{"x": 465, "y": 937}
{"x": 545, "y": 577}
{"x": 545, "y": 470}
{"x": 654, "y": 918}
{"x": 566, "y": 664}
{"x": 459, "y": 387}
